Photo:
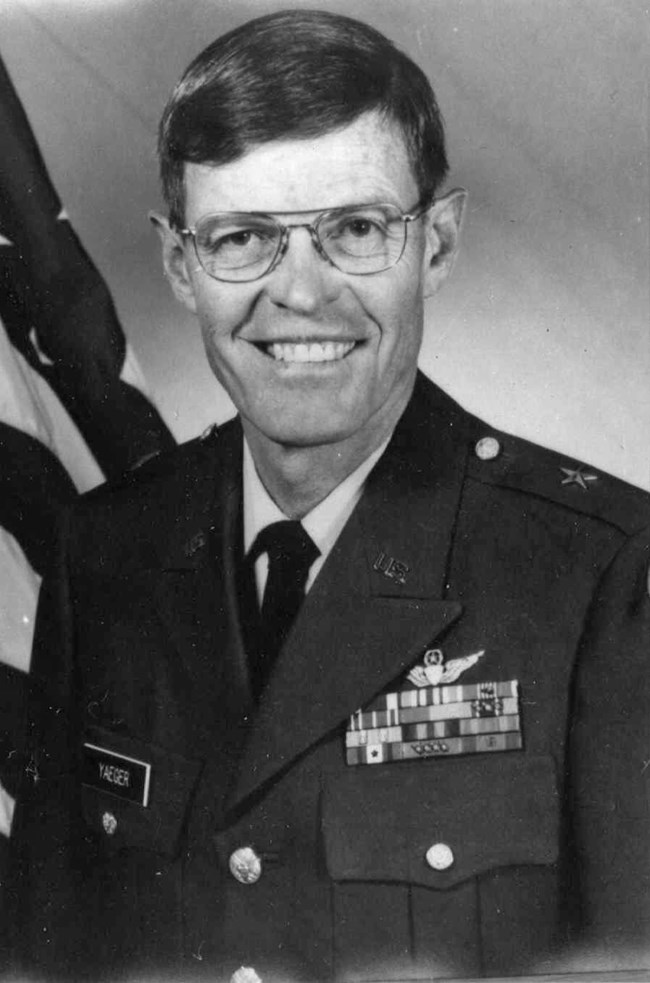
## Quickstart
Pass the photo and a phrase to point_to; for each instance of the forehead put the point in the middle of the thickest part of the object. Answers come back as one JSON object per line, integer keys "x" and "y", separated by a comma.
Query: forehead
{"x": 363, "y": 162}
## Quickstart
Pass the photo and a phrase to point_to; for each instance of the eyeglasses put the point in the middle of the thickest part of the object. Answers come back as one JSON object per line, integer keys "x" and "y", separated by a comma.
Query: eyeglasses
{"x": 239, "y": 247}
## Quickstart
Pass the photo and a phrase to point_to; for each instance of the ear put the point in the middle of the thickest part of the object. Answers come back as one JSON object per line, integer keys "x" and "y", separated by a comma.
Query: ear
{"x": 175, "y": 259}
{"x": 443, "y": 222}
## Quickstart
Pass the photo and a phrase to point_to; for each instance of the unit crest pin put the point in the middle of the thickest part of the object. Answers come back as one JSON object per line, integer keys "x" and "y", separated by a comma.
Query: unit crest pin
{"x": 109, "y": 822}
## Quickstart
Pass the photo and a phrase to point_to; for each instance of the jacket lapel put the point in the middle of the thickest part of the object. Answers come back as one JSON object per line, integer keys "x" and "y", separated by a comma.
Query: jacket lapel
{"x": 194, "y": 589}
{"x": 379, "y": 600}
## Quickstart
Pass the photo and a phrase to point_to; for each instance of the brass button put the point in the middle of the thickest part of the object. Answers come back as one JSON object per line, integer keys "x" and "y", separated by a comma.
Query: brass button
{"x": 245, "y": 865}
{"x": 245, "y": 974}
{"x": 439, "y": 856}
{"x": 487, "y": 448}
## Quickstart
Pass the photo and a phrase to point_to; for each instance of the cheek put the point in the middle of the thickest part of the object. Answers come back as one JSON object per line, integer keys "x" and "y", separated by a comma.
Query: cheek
{"x": 401, "y": 311}
{"x": 216, "y": 334}
{"x": 220, "y": 312}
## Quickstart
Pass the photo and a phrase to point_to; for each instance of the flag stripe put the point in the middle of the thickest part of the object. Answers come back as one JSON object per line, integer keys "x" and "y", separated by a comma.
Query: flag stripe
{"x": 34, "y": 486}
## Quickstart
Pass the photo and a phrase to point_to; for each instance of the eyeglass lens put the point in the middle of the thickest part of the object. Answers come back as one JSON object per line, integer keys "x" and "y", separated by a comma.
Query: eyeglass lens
{"x": 244, "y": 246}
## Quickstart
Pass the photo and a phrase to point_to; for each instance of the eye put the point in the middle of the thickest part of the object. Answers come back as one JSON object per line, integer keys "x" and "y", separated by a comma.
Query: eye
{"x": 240, "y": 238}
{"x": 359, "y": 233}
{"x": 358, "y": 227}
{"x": 218, "y": 239}
{"x": 227, "y": 242}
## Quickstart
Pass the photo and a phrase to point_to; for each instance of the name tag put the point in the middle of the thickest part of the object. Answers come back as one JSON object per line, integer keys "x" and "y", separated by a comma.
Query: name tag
{"x": 116, "y": 773}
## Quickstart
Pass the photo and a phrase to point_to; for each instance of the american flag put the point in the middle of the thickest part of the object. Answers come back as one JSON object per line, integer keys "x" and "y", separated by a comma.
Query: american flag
{"x": 72, "y": 409}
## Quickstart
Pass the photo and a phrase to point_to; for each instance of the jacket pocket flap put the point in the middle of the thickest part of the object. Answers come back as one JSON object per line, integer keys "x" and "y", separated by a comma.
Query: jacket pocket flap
{"x": 134, "y": 794}
{"x": 439, "y": 823}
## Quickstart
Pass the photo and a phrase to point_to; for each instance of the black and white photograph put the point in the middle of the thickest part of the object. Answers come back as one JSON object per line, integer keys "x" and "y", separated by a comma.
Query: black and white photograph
{"x": 324, "y": 491}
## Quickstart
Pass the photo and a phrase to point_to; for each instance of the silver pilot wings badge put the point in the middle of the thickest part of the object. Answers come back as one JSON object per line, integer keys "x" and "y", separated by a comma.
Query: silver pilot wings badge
{"x": 436, "y": 672}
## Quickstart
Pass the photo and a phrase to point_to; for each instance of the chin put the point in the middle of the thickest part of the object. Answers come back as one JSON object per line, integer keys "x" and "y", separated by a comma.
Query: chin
{"x": 300, "y": 437}
{"x": 304, "y": 426}
{"x": 301, "y": 434}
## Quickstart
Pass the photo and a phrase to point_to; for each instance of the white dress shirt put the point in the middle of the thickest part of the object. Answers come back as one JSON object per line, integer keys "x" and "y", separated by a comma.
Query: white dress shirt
{"x": 324, "y": 523}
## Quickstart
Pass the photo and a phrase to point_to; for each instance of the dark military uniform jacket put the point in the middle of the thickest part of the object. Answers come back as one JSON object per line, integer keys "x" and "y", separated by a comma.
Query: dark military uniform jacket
{"x": 515, "y": 828}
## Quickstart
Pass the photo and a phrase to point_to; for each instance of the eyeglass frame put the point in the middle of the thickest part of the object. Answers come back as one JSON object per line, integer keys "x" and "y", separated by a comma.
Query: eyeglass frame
{"x": 412, "y": 215}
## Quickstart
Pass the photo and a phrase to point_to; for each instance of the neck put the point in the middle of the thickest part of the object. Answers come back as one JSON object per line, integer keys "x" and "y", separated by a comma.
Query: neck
{"x": 299, "y": 477}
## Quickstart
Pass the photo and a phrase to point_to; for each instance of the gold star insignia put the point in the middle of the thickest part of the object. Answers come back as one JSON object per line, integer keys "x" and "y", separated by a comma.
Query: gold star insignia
{"x": 577, "y": 477}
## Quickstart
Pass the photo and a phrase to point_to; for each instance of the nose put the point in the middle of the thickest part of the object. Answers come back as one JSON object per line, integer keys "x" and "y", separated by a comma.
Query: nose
{"x": 304, "y": 280}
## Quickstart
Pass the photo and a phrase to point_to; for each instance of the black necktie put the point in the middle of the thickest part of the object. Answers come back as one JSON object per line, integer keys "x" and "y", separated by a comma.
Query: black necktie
{"x": 291, "y": 552}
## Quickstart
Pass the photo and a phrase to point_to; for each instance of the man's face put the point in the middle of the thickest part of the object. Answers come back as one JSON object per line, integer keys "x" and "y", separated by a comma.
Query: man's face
{"x": 367, "y": 329}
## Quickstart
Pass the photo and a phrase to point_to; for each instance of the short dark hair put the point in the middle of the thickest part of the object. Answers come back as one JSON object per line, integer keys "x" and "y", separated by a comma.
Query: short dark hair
{"x": 295, "y": 74}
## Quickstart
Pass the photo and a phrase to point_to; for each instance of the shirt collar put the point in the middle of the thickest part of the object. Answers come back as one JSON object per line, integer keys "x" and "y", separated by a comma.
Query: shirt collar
{"x": 323, "y": 523}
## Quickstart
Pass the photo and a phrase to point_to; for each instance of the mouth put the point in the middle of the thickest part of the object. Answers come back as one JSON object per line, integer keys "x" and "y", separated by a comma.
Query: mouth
{"x": 309, "y": 351}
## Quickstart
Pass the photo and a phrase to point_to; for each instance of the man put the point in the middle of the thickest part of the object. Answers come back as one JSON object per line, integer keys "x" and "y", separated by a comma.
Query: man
{"x": 350, "y": 687}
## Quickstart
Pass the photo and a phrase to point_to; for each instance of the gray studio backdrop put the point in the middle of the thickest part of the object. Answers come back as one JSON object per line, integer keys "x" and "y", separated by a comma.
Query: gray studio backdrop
{"x": 543, "y": 329}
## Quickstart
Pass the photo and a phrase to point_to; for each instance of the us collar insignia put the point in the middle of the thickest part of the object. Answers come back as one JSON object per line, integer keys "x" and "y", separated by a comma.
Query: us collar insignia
{"x": 390, "y": 567}
{"x": 435, "y": 671}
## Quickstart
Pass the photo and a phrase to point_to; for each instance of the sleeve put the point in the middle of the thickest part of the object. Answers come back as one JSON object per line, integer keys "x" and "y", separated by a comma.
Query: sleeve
{"x": 610, "y": 763}
{"x": 47, "y": 829}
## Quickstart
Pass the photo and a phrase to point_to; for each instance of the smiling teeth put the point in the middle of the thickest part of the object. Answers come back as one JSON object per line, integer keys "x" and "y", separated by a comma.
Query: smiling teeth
{"x": 320, "y": 351}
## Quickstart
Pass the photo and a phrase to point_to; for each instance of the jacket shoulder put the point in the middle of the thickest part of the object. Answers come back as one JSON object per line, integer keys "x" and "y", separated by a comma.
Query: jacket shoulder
{"x": 156, "y": 512}
{"x": 160, "y": 473}
{"x": 507, "y": 461}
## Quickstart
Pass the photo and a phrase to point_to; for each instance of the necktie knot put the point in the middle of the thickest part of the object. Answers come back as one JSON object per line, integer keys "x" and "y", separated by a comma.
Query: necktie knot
{"x": 286, "y": 542}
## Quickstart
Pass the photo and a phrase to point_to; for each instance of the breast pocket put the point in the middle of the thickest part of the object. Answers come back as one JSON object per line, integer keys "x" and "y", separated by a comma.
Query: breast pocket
{"x": 135, "y": 795}
{"x": 440, "y": 823}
